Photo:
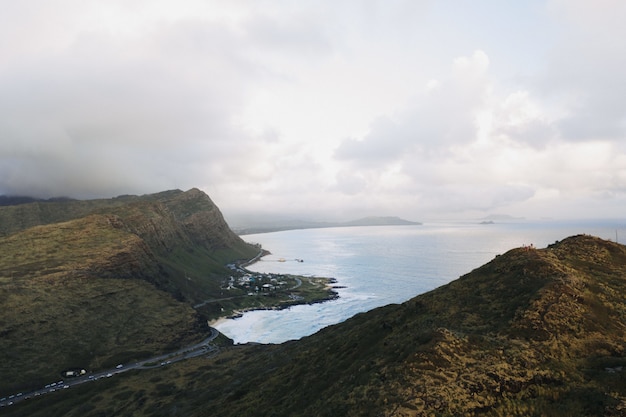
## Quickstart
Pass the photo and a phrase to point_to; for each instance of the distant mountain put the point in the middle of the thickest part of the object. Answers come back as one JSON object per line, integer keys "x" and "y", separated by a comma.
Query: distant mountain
{"x": 281, "y": 225}
{"x": 533, "y": 332}
{"x": 378, "y": 221}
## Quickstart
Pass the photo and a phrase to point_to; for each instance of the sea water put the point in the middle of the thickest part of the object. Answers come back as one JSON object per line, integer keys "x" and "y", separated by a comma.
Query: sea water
{"x": 380, "y": 265}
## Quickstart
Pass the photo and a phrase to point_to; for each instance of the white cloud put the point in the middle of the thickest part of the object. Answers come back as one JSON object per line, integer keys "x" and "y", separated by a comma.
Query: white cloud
{"x": 441, "y": 116}
{"x": 585, "y": 68}
{"x": 396, "y": 107}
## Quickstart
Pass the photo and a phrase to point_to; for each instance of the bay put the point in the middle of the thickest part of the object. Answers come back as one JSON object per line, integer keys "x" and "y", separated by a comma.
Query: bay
{"x": 380, "y": 265}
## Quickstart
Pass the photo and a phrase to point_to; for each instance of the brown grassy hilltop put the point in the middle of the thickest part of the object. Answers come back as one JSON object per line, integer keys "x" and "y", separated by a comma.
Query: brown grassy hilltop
{"x": 535, "y": 332}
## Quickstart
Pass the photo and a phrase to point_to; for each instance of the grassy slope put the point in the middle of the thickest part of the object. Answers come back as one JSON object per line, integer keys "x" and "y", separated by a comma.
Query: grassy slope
{"x": 184, "y": 231}
{"x": 58, "y": 310}
{"x": 97, "y": 289}
{"x": 534, "y": 332}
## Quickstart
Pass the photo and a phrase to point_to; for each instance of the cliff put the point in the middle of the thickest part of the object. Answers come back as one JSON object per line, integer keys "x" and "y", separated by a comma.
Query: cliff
{"x": 190, "y": 216}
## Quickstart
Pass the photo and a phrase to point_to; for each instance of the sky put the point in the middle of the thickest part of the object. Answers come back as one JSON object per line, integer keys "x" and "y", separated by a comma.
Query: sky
{"x": 324, "y": 110}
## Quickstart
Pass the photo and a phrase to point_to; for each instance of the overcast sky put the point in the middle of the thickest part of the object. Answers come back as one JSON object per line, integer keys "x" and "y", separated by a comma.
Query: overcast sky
{"x": 421, "y": 109}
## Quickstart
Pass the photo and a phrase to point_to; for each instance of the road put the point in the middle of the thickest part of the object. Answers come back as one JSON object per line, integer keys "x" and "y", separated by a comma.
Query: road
{"x": 187, "y": 352}
{"x": 213, "y": 300}
{"x": 298, "y": 283}
{"x": 253, "y": 260}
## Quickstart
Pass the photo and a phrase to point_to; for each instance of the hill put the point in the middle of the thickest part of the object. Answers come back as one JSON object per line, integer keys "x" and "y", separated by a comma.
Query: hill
{"x": 533, "y": 332}
{"x": 280, "y": 225}
{"x": 184, "y": 232}
{"x": 92, "y": 283}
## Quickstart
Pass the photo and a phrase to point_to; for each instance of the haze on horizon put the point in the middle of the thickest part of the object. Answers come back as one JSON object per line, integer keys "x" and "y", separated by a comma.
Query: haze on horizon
{"x": 410, "y": 108}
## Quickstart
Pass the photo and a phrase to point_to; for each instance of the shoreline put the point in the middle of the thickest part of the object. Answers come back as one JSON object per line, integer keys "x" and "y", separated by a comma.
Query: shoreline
{"x": 217, "y": 321}
{"x": 334, "y": 295}
{"x": 329, "y": 286}
{"x": 254, "y": 260}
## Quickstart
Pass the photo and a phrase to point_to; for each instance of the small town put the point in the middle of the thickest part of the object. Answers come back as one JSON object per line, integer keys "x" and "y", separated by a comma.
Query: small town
{"x": 255, "y": 282}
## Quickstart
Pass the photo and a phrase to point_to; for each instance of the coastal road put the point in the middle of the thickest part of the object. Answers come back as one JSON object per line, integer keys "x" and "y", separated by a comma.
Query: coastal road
{"x": 198, "y": 349}
{"x": 253, "y": 260}
{"x": 298, "y": 283}
{"x": 213, "y": 300}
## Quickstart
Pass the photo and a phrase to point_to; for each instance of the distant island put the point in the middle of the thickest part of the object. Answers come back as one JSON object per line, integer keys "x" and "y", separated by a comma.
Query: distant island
{"x": 278, "y": 226}
{"x": 500, "y": 217}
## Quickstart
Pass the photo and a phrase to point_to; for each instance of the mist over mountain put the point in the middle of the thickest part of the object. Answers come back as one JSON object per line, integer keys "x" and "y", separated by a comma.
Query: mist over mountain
{"x": 10, "y": 200}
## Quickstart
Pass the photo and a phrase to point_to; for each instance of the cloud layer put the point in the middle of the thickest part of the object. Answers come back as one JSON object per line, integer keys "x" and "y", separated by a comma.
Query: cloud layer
{"x": 410, "y": 108}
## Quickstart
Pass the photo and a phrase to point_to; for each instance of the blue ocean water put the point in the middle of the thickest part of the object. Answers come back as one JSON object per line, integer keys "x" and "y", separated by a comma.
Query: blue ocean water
{"x": 380, "y": 265}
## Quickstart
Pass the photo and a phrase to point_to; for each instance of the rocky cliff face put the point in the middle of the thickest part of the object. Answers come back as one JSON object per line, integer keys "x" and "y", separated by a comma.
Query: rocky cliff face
{"x": 197, "y": 214}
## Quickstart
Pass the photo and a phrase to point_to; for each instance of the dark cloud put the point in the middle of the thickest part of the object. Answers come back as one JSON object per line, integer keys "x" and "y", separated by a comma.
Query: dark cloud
{"x": 109, "y": 115}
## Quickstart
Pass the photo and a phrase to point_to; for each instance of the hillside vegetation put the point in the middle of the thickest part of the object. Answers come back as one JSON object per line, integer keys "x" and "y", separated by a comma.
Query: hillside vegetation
{"x": 535, "y": 332}
{"x": 94, "y": 283}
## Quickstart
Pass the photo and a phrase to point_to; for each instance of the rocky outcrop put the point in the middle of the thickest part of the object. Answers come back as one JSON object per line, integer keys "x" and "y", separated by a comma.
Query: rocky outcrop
{"x": 197, "y": 214}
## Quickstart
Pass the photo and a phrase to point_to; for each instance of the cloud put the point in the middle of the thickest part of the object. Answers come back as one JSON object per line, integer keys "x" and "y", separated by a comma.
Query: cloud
{"x": 134, "y": 98}
{"x": 585, "y": 69}
{"x": 395, "y": 107}
{"x": 136, "y": 109}
{"x": 470, "y": 143}
{"x": 441, "y": 116}
{"x": 406, "y": 152}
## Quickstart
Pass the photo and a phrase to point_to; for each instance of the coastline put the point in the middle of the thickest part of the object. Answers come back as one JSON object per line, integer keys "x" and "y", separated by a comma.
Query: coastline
{"x": 235, "y": 314}
{"x": 285, "y": 306}
{"x": 217, "y": 321}
{"x": 257, "y": 258}
{"x": 254, "y": 291}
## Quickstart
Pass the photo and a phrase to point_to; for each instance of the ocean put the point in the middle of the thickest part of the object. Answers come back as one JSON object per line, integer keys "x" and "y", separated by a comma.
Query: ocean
{"x": 380, "y": 265}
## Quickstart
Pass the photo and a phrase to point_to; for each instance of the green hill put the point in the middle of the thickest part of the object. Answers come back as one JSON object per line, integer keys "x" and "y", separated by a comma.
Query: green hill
{"x": 535, "y": 332}
{"x": 94, "y": 283}
{"x": 183, "y": 232}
